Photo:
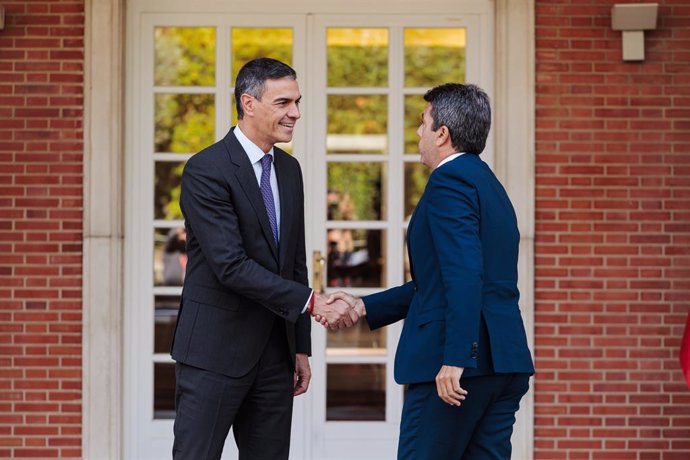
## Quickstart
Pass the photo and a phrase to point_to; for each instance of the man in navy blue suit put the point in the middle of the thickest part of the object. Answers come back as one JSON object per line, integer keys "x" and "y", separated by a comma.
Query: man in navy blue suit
{"x": 463, "y": 350}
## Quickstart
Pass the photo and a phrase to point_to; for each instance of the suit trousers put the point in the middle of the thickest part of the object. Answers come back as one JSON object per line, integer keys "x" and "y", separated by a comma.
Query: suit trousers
{"x": 479, "y": 429}
{"x": 258, "y": 407}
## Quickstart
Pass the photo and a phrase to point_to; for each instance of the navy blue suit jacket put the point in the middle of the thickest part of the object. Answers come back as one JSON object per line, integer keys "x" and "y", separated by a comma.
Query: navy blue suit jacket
{"x": 461, "y": 307}
{"x": 238, "y": 282}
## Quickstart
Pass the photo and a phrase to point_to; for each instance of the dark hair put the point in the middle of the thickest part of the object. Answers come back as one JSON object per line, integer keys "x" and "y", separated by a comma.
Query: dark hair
{"x": 465, "y": 111}
{"x": 252, "y": 76}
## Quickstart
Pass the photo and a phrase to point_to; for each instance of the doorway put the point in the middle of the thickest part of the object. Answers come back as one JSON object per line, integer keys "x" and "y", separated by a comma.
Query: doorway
{"x": 362, "y": 78}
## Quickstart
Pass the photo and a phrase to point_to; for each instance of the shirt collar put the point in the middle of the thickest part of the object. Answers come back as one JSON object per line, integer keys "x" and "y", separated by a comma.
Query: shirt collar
{"x": 449, "y": 158}
{"x": 254, "y": 153}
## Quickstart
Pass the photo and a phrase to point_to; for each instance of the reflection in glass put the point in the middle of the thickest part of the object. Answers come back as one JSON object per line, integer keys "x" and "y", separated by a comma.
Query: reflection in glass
{"x": 185, "y": 56}
{"x": 165, "y": 317}
{"x": 358, "y": 336}
{"x": 250, "y": 43}
{"x": 357, "y": 57}
{"x": 355, "y": 258}
{"x": 184, "y": 122}
{"x": 169, "y": 256}
{"x": 355, "y": 191}
{"x": 164, "y": 390}
{"x": 356, "y": 392}
{"x": 434, "y": 56}
{"x": 167, "y": 190}
{"x": 414, "y": 106}
{"x": 357, "y": 124}
{"x": 416, "y": 177}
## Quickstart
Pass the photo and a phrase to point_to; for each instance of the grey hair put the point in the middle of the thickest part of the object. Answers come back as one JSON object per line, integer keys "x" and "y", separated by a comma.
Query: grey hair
{"x": 466, "y": 112}
{"x": 252, "y": 77}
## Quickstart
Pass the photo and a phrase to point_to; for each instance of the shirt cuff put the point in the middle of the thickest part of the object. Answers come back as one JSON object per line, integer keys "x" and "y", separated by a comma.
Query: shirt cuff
{"x": 309, "y": 301}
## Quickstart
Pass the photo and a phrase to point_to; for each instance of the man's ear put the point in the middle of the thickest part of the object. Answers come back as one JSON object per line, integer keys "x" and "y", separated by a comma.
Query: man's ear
{"x": 247, "y": 104}
{"x": 442, "y": 135}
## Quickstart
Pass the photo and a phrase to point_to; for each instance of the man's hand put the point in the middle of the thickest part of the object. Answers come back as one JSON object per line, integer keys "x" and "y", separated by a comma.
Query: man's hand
{"x": 355, "y": 303}
{"x": 334, "y": 314}
{"x": 448, "y": 385}
{"x": 302, "y": 374}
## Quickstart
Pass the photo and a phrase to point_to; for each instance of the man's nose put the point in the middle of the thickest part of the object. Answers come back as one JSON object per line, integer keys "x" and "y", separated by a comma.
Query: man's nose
{"x": 294, "y": 111}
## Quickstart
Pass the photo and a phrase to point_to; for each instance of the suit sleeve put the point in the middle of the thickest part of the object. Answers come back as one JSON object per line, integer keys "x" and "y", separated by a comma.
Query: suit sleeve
{"x": 454, "y": 222}
{"x": 389, "y": 306}
{"x": 210, "y": 214}
{"x": 303, "y": 324}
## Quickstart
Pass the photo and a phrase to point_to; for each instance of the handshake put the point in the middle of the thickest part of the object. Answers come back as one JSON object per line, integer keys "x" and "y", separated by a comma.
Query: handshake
{"x": 337, "y": 311}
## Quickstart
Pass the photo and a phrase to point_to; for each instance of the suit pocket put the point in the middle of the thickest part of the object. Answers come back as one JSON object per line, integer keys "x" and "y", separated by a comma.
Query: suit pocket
{"x": 210, "y": 296}
{"x": 427, "y": 316}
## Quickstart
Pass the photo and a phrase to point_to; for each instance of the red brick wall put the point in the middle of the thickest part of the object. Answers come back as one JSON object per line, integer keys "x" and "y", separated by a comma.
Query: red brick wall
{"x": 41, "y": 162}
{"x": 613, "y": 235}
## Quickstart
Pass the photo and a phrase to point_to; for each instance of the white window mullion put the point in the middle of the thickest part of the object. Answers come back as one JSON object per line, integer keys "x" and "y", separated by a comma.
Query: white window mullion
{"x": 223, "y": 79}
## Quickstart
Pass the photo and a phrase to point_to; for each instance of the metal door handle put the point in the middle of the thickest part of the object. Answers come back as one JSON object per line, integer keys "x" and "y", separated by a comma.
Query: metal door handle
{"x": 318, "y": 263}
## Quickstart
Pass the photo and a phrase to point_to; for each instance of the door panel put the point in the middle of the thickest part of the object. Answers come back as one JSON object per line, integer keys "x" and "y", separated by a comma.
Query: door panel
{"x": 366, "y": 179}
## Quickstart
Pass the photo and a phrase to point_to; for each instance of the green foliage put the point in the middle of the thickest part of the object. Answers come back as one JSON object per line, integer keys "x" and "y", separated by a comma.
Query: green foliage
{"x": 428, "y": 66}
{"x": 184, "y": 122}
{"x": 355, "y": 191}
{"x": 185, "y": 56}
{"x": 357, "y": 66}
{"x": 167, "y": 190}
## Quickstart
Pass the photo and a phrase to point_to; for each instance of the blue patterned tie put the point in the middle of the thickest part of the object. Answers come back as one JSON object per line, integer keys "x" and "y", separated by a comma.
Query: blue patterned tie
{"x": 267, "y": 194}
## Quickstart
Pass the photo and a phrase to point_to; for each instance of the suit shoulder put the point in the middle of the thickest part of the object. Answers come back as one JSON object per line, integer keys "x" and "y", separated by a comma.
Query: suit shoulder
{"x": 212, "y": 155}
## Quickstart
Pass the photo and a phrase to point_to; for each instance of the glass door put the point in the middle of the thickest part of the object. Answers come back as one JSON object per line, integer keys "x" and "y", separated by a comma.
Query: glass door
{"x": 362, "y": 78}
{"x": 185, "y": 102}
{"x": 368, "y": 76}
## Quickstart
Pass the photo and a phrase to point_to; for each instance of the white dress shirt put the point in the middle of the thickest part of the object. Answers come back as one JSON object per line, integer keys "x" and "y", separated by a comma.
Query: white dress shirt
{"x": 255, "y": 155}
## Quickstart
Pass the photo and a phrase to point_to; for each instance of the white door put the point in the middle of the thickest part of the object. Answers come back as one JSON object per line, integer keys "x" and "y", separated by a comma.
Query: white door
{"x": 367, "y": 76}
{"x": 362, "y": 77}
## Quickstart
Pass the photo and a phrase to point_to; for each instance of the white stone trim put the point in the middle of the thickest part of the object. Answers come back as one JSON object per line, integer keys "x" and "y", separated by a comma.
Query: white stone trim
{"x": 103, "y": 238}
{"x": 514, "y": 119}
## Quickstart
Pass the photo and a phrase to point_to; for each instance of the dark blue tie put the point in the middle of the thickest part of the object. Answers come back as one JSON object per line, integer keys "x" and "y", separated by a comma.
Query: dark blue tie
{"x": 267, "y": 194}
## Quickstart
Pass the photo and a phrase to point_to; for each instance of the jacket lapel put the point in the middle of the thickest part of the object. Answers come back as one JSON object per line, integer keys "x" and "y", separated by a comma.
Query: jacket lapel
{"x": 247, "y": 180}
{"x": 287, "y": 208}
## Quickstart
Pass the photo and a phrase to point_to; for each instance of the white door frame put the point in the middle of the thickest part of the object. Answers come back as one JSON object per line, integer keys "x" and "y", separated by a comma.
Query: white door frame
{"x": 104, "y": 157}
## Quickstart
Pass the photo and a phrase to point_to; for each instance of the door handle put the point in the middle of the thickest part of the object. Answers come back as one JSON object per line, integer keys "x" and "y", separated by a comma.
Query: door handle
{"x": 318, "y": 265}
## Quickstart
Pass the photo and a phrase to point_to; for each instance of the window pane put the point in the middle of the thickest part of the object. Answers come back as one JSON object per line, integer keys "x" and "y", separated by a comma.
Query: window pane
{"x": 357, "y": 124}
{"x": 356, "y": 392}
{"x": 167, "y": 190}
{"x": 434, "y": 56}
{"x": 251, "y": 43}
{"x": 165, "y": 317}
{"x": 184, "y": 122}
{"x": 185, "y": 56}
{"x": 164, "y": 391}
{"x": 414, "y": 106}
{"x": 357, "y": 337}
{"x": 357, "y": 57}
{"x": 169, "y": 256}
{"x": 355, "y": 191}
{"x": 416, "y": 177}
{"x": 355, "y": 258}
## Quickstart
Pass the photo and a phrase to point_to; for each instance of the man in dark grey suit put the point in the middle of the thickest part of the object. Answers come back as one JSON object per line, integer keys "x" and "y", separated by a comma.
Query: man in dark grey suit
{"x": 242, "y": 339}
